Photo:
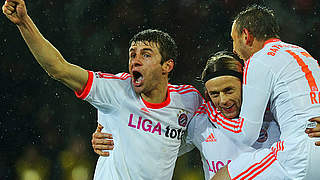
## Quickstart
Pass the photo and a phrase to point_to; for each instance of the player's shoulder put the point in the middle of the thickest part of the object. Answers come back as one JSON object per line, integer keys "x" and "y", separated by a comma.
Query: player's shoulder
{"x": 183, "y": 89}
{"x": 119, "y": 76}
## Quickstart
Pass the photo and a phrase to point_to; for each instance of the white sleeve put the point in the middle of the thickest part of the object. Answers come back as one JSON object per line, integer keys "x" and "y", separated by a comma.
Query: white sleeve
{"x": 105, "y": 91}
{"x": 257, "y": 83}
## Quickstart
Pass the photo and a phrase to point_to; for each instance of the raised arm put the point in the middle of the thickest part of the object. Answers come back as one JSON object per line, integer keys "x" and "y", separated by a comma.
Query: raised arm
{"x": 44, "y": 52}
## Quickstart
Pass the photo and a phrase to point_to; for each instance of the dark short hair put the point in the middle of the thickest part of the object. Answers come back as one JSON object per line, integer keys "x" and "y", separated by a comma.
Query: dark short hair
{"x": 259, "y": 21}
{"x": 167, "y": 46}
{"x": 222, "y": 63}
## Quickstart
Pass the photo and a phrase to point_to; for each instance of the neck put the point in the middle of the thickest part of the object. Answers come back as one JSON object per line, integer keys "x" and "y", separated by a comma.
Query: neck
{"x": 257, "y": 46}
{"x": 157, "y": 95}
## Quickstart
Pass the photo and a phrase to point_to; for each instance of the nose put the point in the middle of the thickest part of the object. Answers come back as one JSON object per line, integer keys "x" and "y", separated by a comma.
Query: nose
{"x": 136, "y": 62}
{"x": 223, "y": 99}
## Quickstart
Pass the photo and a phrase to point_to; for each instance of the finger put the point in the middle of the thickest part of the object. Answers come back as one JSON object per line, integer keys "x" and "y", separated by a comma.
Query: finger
{"x": 314, "y": 134}
{"x": 11, "y": 8}
{"x": 102, "y": 147}
{"x": 102, "y": 142}
{"x": 11, "y": 4}
{"x": 16, "y": 1}
{"x": 317, "y": 143}
{"x": 102, "y": 135}
{"x": 102, "y": 153}
{"x": 99, "y": 128}
{"x": 7, "y": 12}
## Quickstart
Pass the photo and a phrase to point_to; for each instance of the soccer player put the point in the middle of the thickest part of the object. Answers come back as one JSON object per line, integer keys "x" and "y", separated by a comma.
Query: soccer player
{"x": 145, "y": 114}
{"x": 222, "y": 77}
{"x": 287, "y": 77}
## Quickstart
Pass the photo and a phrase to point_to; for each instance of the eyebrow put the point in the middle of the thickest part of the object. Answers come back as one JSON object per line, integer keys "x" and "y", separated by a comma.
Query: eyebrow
{"x": 223, "y": 90}
{"x": 144, "y": 49}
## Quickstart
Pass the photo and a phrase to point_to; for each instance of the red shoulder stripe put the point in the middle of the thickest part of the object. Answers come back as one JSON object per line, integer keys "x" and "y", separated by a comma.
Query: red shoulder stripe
{"x": 124, "y": 76}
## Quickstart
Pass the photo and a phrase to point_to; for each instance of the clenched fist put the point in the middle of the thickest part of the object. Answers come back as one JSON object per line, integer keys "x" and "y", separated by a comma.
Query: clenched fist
{"x": 15, "y": 10}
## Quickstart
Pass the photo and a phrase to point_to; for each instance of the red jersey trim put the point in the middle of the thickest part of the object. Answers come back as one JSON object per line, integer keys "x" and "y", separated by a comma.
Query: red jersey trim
{"x": 184, "y": 89}
{"x": 123, "y": 76}
{"x": 257, "y": 168}
{"x": 245, "y": 71}
{"x": 85, "y": 92}
{"x": 308, "y": 74}
{"x": 158, "y": 105}
{"x": 270, "y": 41}
{"x": 234, "y": 126}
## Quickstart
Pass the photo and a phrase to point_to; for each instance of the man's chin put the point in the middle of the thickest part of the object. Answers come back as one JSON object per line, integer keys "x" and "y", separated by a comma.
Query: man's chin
{"x": 138, "y": 89}
{"x": 231, "y": 115}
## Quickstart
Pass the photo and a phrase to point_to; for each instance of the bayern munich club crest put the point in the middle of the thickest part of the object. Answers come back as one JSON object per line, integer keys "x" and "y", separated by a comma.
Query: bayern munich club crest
{"x": 183, "y": 119}
{"x": 263, "y": 136}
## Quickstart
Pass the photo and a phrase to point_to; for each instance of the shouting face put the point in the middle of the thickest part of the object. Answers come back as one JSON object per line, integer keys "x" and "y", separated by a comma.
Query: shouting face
{"x": 145, "y": 66}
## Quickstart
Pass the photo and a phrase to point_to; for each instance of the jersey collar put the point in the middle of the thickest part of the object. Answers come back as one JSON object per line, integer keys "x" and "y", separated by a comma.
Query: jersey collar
{"x": 270, "y": 41}
{"x": 158, "y": 105}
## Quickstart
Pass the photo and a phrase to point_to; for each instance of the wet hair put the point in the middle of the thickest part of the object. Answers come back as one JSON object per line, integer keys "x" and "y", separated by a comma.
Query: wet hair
{"x": 222, "y": 63}
{"x": 167, "y": 46}
{"x": 259, "y": 21}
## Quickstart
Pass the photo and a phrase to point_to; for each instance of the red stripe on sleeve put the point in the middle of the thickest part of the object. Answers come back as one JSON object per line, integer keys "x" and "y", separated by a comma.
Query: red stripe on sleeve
{"x": 86, "y": 90}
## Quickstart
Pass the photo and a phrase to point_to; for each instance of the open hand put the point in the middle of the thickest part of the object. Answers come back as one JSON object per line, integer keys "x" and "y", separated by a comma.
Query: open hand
{"x": 101, "y": 142}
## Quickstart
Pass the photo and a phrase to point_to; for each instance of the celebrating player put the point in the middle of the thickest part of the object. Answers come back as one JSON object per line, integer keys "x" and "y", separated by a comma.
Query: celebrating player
{"x": 222, "y": 77}
{"x": 287, "y": 77}
{"x": 146, "y": 116}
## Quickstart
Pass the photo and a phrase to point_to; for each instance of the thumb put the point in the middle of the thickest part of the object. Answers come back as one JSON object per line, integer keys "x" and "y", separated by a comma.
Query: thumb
{"x": 99, "y": 128}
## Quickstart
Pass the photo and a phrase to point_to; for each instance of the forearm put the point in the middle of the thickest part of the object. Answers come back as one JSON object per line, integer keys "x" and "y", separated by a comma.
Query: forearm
{"x": 50, "y": 58}
{"x": 44, "y": 52}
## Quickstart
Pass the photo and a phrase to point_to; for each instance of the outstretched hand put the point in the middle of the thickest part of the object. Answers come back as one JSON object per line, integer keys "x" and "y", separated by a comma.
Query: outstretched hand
{"x": 15, "y": 10}
{"x": 101, "y": 142}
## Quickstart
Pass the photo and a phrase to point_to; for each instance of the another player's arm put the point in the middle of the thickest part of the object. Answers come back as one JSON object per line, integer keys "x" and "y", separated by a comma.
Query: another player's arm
{"x": 44, "y": 52}
{"x": 101, "y": 142}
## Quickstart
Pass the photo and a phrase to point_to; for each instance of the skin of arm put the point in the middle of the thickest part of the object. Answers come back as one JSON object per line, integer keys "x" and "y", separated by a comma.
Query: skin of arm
{"x": 44, "y": 52}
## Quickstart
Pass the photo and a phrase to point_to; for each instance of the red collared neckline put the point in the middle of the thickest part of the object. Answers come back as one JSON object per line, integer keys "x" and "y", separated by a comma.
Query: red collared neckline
{"x": 270, "y": 41}
{"x": 158, "y": 105}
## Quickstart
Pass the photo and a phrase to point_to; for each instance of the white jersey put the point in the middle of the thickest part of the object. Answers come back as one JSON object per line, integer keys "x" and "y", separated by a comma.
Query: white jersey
{"x": 216, "y": 148}
{"x": 288, "y": 77}
{"x": 147, "y": 136}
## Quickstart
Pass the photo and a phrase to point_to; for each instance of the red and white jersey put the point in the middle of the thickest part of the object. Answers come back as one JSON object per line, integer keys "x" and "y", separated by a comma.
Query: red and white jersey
{"x": 289, "y": 78}
{"x": 216, "y": 148}
{"x": 147, "y": 136}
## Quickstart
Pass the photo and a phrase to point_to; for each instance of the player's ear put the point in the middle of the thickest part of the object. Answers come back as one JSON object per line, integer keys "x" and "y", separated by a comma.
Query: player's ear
{"x": 247, "y": 37}
{"x": 167, "y": 66}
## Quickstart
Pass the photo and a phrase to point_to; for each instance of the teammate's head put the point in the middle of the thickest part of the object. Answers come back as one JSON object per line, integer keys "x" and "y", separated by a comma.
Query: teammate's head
{"x": 167, "y": 46}
{"x": 255, "y": 23}
{"x": 222, "y": 78}
{"x": 151, "y": 59}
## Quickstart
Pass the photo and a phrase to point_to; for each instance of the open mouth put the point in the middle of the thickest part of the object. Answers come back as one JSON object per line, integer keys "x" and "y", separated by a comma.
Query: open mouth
{"x": 228, "y": 109}
{"x": 137, "y": 78}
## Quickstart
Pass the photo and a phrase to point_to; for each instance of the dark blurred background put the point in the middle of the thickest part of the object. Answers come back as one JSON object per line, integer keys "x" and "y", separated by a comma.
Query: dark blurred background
{"x": 46, "y": 131}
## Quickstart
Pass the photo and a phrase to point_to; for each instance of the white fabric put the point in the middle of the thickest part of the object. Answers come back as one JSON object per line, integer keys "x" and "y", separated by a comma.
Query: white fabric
{"x": 216, "y": 148}
{"x": 146, "y": 136}
{"x": 288, "y": 77}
